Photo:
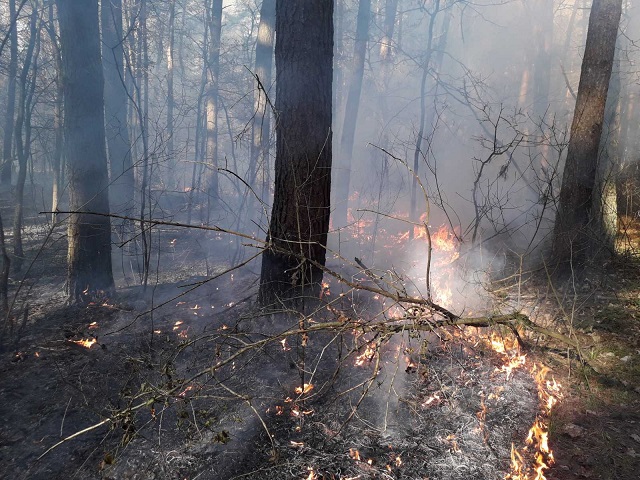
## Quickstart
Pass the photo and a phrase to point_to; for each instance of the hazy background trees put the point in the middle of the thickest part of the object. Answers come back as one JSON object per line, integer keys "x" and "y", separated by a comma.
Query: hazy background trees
{"x": 478, "y": 99}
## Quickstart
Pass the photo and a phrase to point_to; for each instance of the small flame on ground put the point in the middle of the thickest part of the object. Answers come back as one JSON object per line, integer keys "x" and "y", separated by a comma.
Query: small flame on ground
{"x": 306, "y": 388}
{"x": 312, "y": 474}
{"x": 355, "y": 454}
{"x": 365, "y": 356}
{"x": 433, "y": 399}
{"x": 86, "y": 343}
{"x": 537, "y": 441}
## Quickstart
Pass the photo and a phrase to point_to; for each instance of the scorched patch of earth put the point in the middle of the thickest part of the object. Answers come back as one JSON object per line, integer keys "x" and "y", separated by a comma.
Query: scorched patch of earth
{"x": 316, "y": 405}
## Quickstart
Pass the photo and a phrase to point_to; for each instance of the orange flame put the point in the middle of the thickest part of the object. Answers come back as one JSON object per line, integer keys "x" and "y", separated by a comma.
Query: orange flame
{"x": 306, "y": 388}
{"x": 86, "y": 343}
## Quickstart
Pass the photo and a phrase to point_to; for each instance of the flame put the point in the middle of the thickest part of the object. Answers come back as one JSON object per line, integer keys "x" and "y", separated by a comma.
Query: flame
{"x": 355, "y": 454}
{"x": 431, "y": 400}
{"x": 93, "y": 325}
{"x": 305, "y": 388}
{"x": 312, "y": 475}
{"x": 365, "y": 356}
{"x": 86, "y": 343}
{"x": 549, "y": 393}
{"x": 515, "y": 363}
{"x": 444, "y": 239}
{"x": 176, "y": 325}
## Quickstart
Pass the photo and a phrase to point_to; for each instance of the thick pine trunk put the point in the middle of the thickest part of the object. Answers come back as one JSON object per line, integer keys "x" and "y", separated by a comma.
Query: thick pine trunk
{"x": 300, "y": 214}
{"x": 573, "y": 225}
{"x": 89, "y": 254}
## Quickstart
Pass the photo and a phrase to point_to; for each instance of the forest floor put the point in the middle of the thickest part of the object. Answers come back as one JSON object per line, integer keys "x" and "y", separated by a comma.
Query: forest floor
{"x": 443, "y": 412}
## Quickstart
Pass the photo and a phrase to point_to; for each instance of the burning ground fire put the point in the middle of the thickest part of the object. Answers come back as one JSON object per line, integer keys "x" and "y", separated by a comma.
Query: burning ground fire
{"x": 537, "y": 442}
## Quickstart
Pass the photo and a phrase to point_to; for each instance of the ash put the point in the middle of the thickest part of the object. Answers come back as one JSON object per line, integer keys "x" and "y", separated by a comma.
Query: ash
{"x": 451, "y": 415}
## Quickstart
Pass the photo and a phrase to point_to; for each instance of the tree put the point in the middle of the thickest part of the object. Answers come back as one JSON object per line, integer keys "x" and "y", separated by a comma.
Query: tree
{"x": 115, "y": 101}
{"x": 23, "y": 129}
{"x": 89, "y": 236}
{"x": 5, "y": 171}
{"x": 297, "y": 236}
{"x": 343, "y": 174}
{"x": 575, "y": 215}
{"x": 261, "y": 125}
{"x": 214, "y": 24}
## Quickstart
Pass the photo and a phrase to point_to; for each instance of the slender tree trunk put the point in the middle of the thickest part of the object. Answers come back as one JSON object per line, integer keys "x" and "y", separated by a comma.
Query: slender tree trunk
{"x": 300, "y": 215}
{"x": 261, "y": 126}
{"x": 58, "y": 121}
{"x": 575, "y": 214}
{"x": 4, "y": 276}
{"x": 342, "y": 175}
{"x": 386, "y": 45}
{"x": 143, "y": 118}
{"x": 26, "y": 87}
{"x": 173, "y": 177}
{"x": 89, "y": 255}
{"x": 200, "y": 136}
{"x": 214, "y": 24}
{"x": 423, "y": 109}
{"x": 122, "y": 189}
{"x": 7, "y": 162}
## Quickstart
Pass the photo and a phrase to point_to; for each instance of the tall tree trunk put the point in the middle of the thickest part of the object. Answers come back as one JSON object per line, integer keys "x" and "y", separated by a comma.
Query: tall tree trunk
{"x": 173, "y": 177}
{"x": 200, "y": 136}
{"x": 7, "y": 163}
{"x": 58, "y": 121}
{"x": 386, "y": 45}
{"x": 122, "y": 187}
{"x": 417, "y": 154}
{"x": 300, "y": 215}
{"x": 214, "y": 24}
{"x": 143, "y": 118}
{"x": 605, "y": 205}
{"x": 342, "y": 174}
{"x": 427, "y": 115}
{"x": 89, "y": 236}
{"x": 575, "y": 214}
{"x": 26, "y": 87}
{"x": 261, "y": 126}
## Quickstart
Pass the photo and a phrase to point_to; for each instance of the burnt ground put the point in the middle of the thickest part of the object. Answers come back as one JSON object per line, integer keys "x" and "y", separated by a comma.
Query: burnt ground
{"x": 422, "y": 407}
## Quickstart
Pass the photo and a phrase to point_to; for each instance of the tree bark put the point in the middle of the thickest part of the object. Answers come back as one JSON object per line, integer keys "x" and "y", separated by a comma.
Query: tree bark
{"x": 89, "y": 236}
{"x": 572, "y": 232}
{"x": 300, "y": 215}
{"x": 343, "y": 173}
